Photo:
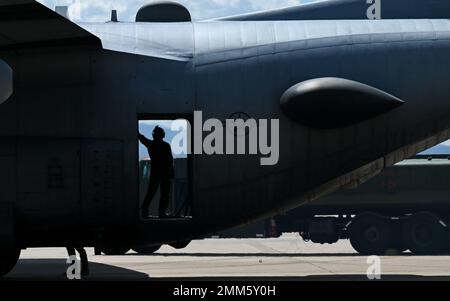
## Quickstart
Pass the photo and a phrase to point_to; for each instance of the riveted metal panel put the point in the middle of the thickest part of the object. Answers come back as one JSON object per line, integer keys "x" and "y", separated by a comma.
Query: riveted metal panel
{"x": 102, "y": 169}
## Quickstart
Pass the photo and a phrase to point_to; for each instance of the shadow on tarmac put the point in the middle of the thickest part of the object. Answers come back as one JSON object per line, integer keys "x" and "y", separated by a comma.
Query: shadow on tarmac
{"x": 55, "y": 269}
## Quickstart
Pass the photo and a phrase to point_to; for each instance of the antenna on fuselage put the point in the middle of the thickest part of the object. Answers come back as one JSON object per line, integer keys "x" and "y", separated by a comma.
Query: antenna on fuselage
{"x": 114, "y": 16}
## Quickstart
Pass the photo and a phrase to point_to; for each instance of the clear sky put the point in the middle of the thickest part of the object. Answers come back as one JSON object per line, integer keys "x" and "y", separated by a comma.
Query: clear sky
{"x": 100, "y": 10}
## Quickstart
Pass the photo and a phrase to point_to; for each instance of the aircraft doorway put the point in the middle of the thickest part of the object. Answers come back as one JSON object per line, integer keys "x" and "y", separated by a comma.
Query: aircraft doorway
{"x": 179, "y": 196}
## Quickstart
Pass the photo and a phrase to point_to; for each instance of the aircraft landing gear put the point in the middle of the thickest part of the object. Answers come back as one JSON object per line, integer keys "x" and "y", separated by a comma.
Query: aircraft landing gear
{"x": 180, "y": 244}
{"x": 146, "y": 250}
{"x": 112, "y": 251}
{"x": 8, "y": 260}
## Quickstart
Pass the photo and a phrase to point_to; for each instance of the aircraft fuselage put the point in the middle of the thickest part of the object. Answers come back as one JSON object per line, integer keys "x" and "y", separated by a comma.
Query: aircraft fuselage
{"x": 69, "y": 139}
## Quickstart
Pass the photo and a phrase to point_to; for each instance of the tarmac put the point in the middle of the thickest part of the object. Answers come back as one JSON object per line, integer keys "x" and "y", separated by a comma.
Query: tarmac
{"x": 284, "y": 258}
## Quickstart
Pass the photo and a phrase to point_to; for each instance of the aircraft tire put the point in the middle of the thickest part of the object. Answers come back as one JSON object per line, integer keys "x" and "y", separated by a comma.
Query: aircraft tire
{"x": 115, "y": 251}
{"x": 180, "y": 244}
{"x": 8, "y": 261}
{"x": 146, "y": 250}
{"x": 370, "y": 234}
{"x": 425, "y": 234}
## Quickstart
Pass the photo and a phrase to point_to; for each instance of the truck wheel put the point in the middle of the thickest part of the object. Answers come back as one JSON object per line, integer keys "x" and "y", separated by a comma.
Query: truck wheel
{"x": 111, "y": 251}
{"x": 424, "y": 234}
{"x": 146, "y": 250}
{"x": 8, "y": 261}
{"x": 370, "y": 234}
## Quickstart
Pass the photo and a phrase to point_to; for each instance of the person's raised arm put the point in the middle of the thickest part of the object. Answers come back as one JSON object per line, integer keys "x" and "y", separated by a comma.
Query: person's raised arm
{"x": 144, "y": 140}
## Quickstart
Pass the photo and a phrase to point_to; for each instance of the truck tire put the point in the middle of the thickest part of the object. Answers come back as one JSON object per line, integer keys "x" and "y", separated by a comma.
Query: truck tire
{"x": 146, "y": 250}
{"x": 8, "y": 261}
{"x": 425, "y": 234}
{"x": 370, "y": 234}
{"x": 112, "y": 251}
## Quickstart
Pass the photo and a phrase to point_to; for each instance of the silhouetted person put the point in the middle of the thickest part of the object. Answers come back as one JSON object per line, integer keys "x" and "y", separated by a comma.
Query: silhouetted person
{"x": 162, "y": 171}
{"x": 83, "y": 258}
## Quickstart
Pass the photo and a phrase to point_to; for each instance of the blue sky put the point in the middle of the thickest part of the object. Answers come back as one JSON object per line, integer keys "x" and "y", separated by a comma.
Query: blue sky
{"x": 146, "y": 129}
{"x": 99, "y": 10}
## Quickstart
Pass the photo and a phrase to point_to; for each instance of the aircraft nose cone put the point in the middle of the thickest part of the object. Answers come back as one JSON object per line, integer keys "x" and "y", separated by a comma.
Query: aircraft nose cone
{"x": 327, "y": 103}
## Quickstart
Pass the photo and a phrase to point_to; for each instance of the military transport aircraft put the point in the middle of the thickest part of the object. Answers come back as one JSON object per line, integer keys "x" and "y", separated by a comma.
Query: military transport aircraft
{"x": 349, "y": 97}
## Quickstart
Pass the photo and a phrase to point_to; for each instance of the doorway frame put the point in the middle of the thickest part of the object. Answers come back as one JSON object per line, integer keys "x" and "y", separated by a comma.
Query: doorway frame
{"x": 190, "y": 157}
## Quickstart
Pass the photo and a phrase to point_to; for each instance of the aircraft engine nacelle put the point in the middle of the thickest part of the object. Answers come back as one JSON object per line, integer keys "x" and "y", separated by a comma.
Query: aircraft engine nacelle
{"x": 6, "y": 81}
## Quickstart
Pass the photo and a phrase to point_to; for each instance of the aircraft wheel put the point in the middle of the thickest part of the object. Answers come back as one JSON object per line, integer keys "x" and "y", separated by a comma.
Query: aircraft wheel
{"x": 111, "y": 251}
{"x": 425, "y": 234}
{"x": 180, "y": 244}
{"x": 8, "y": 261}
{"x": 145, "y": 250}
{"x": 370, "y": 234}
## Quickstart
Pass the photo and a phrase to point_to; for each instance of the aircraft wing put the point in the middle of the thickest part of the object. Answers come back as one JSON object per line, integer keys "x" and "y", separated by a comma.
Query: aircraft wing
{"x": 27, "y": 25}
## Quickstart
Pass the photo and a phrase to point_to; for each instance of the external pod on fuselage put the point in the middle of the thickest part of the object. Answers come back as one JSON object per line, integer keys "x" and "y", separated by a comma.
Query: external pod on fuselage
{"x": 327, "y": 103}
{"x": 164, "y": 11}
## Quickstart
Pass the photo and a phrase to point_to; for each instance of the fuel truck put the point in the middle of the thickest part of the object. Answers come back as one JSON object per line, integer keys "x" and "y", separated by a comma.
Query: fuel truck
{"x": 406, "y": 207}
